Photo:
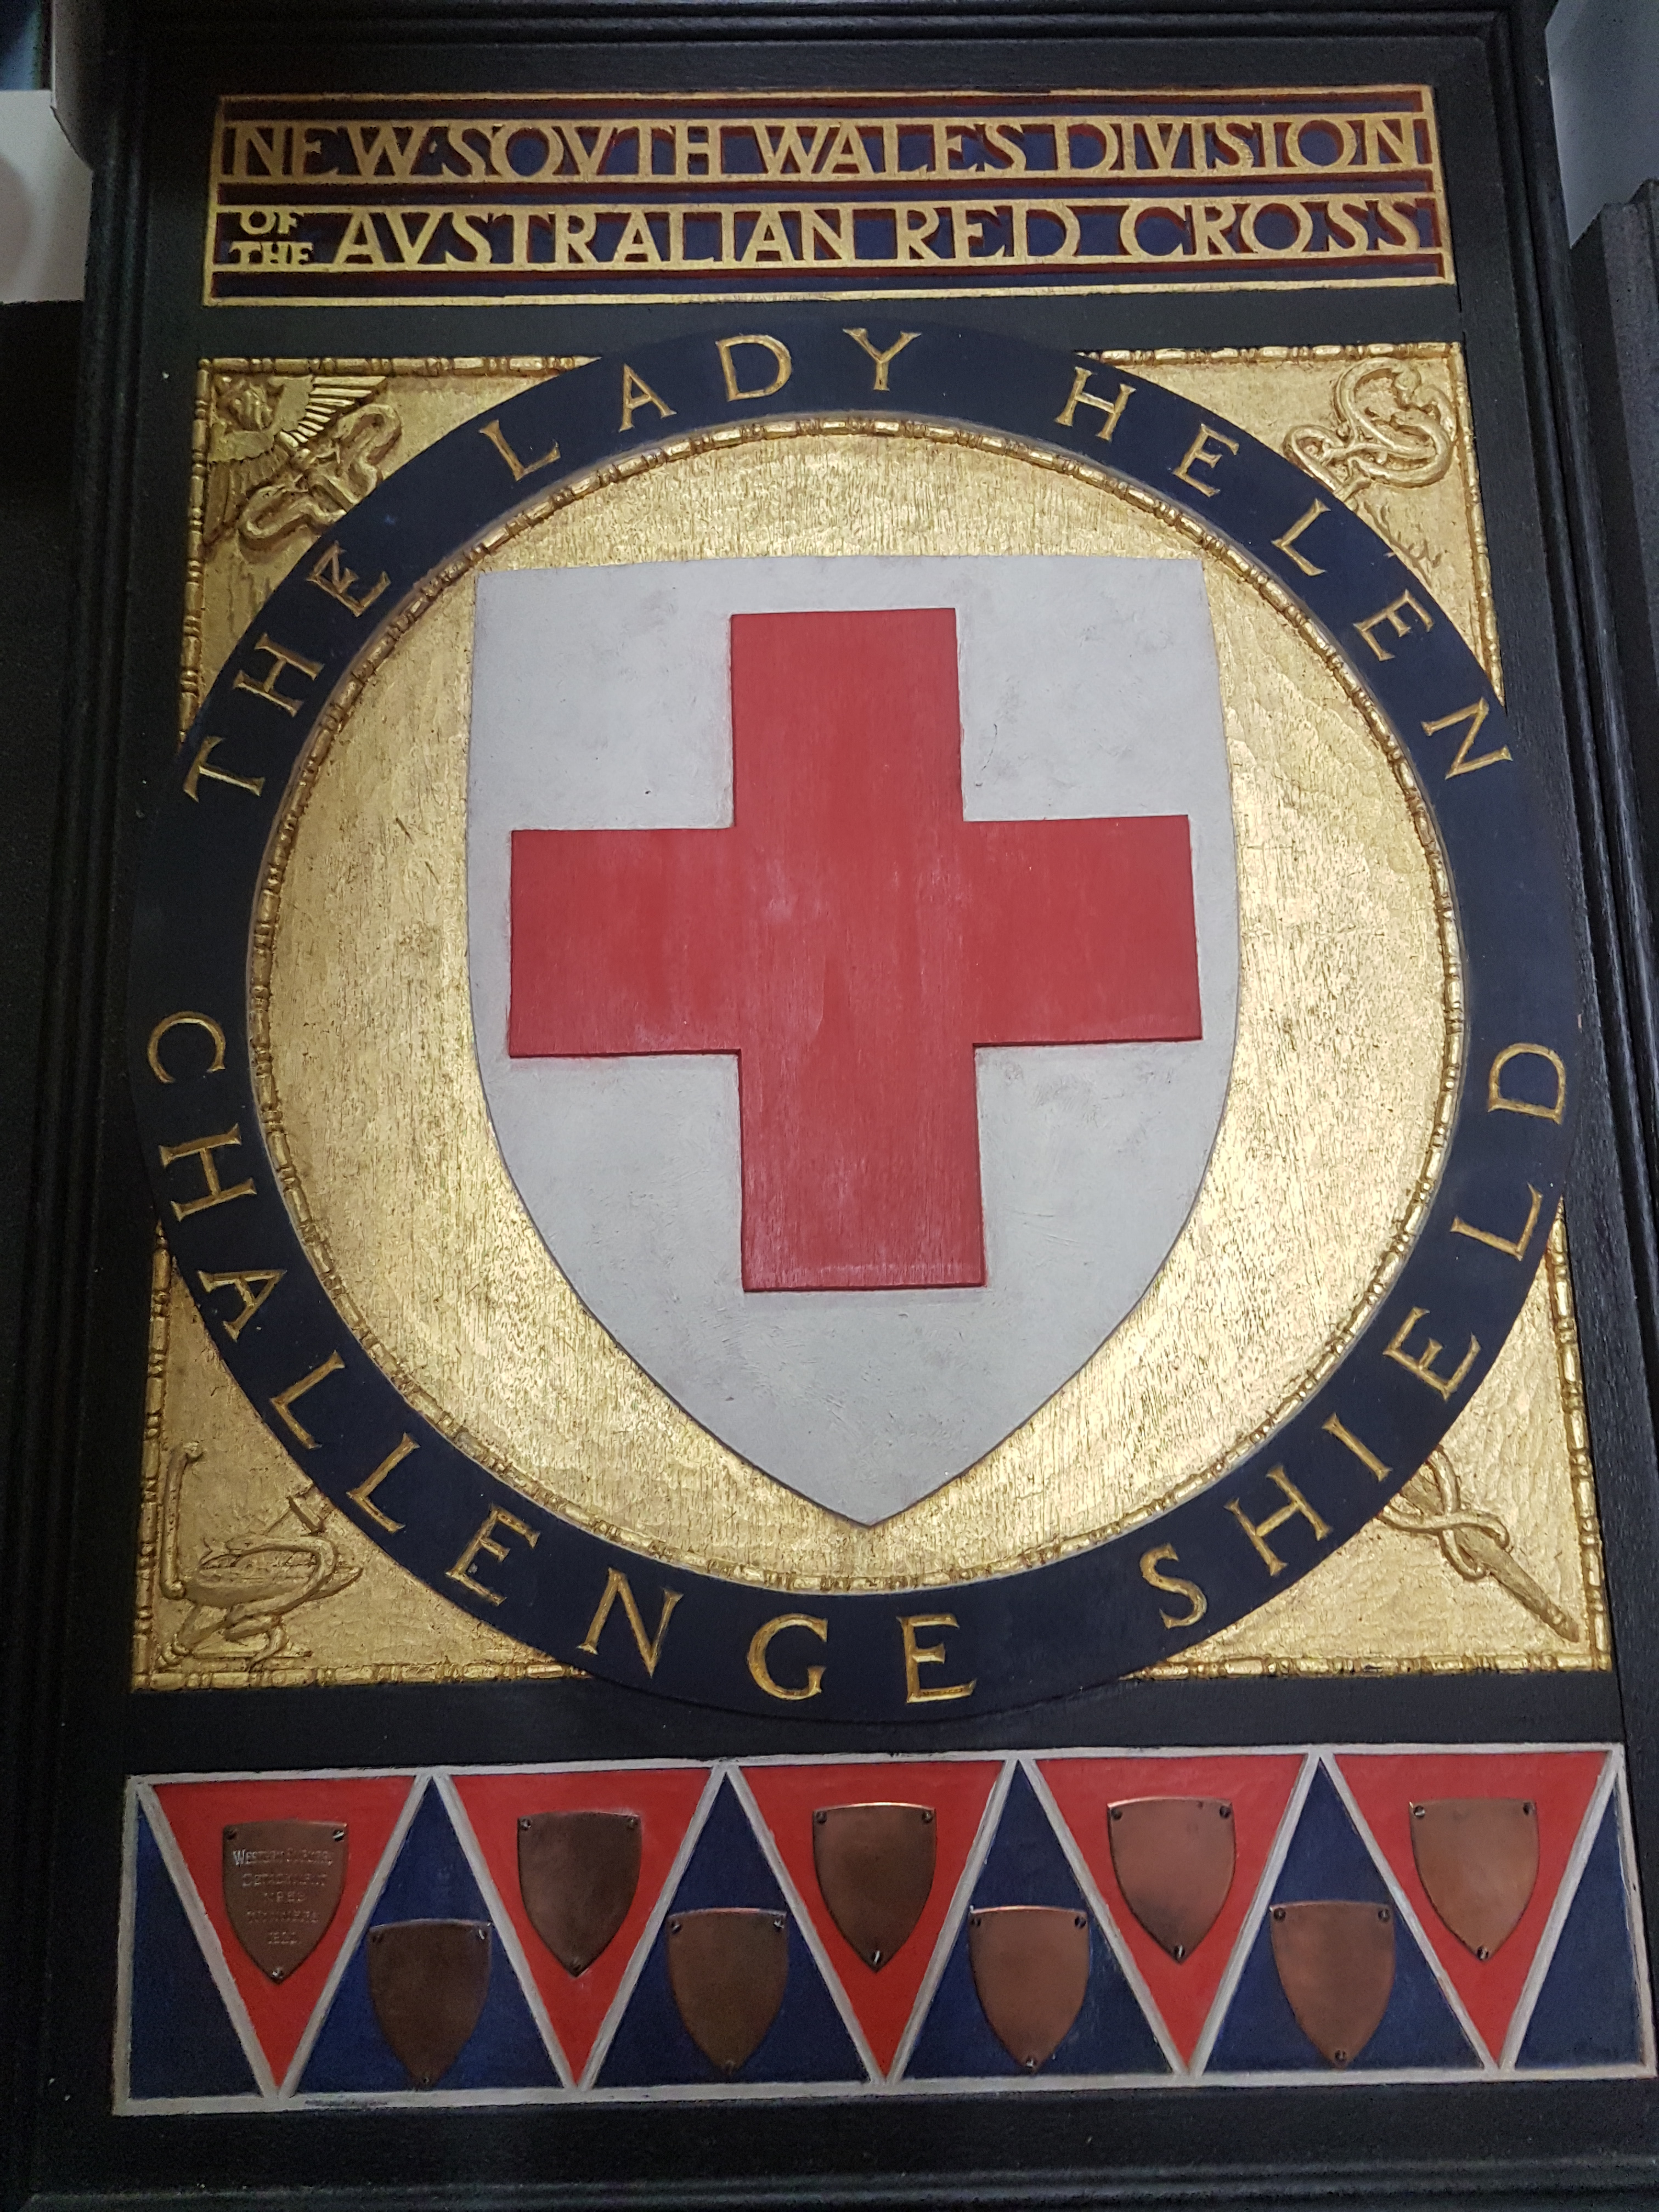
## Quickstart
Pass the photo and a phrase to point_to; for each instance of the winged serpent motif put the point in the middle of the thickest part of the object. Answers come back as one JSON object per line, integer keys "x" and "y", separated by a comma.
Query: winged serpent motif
{"x": 288, "y": 452}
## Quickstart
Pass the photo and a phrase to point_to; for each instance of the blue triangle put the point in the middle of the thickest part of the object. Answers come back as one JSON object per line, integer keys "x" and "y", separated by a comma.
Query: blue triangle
{"x": 806, "y": 2042}
{"x": 1588, "y": 2011}
{"x": 182, "y": 2043}
{"x": 1327, "y": 1859}
{"x": 431, "y": 1880}
{"x": 1025, "y": 1865}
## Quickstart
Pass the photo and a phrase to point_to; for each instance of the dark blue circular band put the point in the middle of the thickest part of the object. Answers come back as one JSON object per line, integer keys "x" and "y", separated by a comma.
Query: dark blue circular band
{"x": 1144, "y": 1596}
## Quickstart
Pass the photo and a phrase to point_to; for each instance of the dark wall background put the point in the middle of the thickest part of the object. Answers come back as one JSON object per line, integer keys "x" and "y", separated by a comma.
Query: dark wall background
{"x": 1604, "y": 76}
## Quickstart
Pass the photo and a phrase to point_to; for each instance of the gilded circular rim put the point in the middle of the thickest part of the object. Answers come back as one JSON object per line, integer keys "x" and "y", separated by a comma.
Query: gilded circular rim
{"x": 1101, "y": 1610}
{"x": 332, "y": 725}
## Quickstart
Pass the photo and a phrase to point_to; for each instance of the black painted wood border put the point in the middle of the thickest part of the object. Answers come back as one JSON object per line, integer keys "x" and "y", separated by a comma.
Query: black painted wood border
{"x": 65, "y": 1548}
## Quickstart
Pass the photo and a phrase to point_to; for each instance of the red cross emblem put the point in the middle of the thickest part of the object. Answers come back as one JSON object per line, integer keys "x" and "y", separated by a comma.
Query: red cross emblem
{"x": 853, "y": 939}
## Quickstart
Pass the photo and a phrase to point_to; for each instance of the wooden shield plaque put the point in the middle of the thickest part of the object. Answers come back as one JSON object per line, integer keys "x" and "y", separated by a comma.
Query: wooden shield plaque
{"x": 1030, "y": 1966}
{"x": 577, "y": 1875}
{"x": 428, "y": 1980}
{"x": 1478, "y": 1859}
{"x": 1335, "y": 1961}
{"x": 1174, "y": 1857}
{"x": 875, "y": 1866}
{"x": 282, "y": 1881}
{"x": 728, "y": 1969}
{"x": 847, "y": 989}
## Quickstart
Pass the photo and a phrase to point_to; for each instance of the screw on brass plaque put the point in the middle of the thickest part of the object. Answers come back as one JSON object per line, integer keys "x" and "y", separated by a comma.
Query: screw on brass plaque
{"x": 578, "y": 1874}
{"x": 1031, "y": 1967}
{"x": 1335, "y": 1963}
{"x": 428, "y": 1980}
{"x": 875, "y": 1867}
{"x": 282, "y": 1882}
{"x": 1477, "y": 1858}
{"x": 1174, "y": 1858}
{"x": 728, "y": 1970}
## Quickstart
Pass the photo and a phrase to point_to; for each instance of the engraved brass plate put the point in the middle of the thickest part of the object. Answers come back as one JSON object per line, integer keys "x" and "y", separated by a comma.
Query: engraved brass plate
{"x": 1335, "y": 1961}
{"x": 1173, "y": 1859}
{"x": 577, "y": 1874}
{"x": 428, "y": 1980}
{"x": 1030, "y": 1967}
{"x": 1478, "y": 1859}
{"x": 283, "y": 1880}
{"x": 875, "y": 1866}
{"x": 728, "y": 1970}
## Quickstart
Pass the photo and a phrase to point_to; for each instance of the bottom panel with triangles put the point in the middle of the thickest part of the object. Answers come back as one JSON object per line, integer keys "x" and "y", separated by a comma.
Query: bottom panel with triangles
{"x": 974, "y": 1924}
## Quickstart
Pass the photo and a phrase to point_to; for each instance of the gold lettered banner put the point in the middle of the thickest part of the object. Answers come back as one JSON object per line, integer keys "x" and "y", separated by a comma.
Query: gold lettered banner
{"x": 602, "y": 198}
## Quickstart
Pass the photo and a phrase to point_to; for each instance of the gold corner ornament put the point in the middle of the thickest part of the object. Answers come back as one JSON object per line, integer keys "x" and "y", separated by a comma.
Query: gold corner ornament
{"x": 1392, "y": 669}
{"x": 1536, "y": 1472}
{"x": 291, "y": 452}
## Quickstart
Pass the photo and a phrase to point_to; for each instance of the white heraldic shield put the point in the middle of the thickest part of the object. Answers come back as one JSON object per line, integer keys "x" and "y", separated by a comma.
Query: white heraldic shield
{"x": 854, "y": 958}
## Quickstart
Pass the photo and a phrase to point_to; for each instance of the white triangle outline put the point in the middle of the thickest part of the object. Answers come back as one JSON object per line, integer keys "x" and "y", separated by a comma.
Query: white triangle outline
{"x": 512, "y": 1943}
{"x": 1227, "y": 1988}
{"x": 720, "y": 1772}
{"x": 421, "y": 1781}
{"x": 990, "y": 1820}
{"x": 1183, "y": 2070}
{"x": 207, "y": 1939}
{"x": 619, "y": 2006}
{"x": 1083, "y": 1875}
{"x": 990, "y": 1812}
{"x": 1549, "y": 1942}
{"x": 207, "y": 1936}
{"x": 1501, "y": 2061}
{"x": 1477, "y": 2043}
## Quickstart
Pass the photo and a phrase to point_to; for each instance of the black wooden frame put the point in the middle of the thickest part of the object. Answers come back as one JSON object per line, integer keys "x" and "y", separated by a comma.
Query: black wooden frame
{"x": 71, "y": 1732}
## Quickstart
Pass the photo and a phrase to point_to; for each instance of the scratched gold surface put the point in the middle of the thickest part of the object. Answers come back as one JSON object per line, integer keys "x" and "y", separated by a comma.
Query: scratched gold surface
{"x": 1347, "y": 1025}
{"x": 384, "y": 1627}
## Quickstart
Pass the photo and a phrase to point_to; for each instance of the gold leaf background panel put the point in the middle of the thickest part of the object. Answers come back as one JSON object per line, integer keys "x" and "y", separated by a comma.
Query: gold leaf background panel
{"x": 1508, "y": 1574}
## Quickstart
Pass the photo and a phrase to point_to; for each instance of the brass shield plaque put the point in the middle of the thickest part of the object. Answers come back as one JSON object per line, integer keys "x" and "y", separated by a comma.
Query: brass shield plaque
{"x": 875, "y": 1867}
{"x": 1030, "y": 1967}
{"x": 577, "y": 1875}
{"x": 1174, "y": 1860}
{"x": 282, "y": 1882}
{"x": 728, "y": 1970}
{"x": 428, "y": 1980}
{"x": 1478, "y": 1859}
{"x": 1335, "y": 1961}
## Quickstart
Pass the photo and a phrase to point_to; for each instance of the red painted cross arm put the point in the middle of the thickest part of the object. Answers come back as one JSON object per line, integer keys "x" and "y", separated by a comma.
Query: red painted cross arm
{"x": 621, "y": 942}
{"x": 1082, "y": 932}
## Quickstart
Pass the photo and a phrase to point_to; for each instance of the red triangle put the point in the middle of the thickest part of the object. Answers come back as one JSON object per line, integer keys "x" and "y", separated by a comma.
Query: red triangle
{"x": 957, "y": 1789}
{"x": 199, "y": 1812}
{"x": 1258, "y": 1789}
{"x": 1385, "y": 1785}
{"x": 664, "y": 1798}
